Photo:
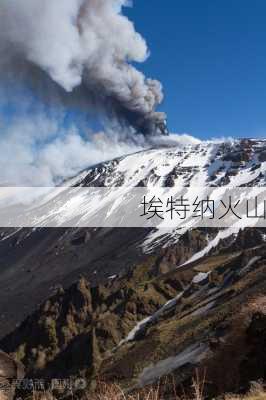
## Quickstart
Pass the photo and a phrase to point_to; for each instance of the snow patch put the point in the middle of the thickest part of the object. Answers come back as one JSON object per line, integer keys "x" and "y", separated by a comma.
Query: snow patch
{"x": 192, "y": 355}
{"x": 200, "y": 277}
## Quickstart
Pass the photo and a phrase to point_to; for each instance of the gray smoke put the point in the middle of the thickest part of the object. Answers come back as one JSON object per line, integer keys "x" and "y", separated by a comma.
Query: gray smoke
{"x": 88, "y": 44}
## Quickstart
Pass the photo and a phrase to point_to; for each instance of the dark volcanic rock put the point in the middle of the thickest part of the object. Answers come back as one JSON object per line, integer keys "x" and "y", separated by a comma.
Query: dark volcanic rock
{"x": 262, "y": 156}
{"x": 34, "y": 263}
{"x": 253, "y": 368}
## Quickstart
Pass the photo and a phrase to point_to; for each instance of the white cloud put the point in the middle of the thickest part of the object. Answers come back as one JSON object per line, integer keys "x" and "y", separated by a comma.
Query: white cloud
{"x": 175, "y": 139}
{"x": 38, "y": 151}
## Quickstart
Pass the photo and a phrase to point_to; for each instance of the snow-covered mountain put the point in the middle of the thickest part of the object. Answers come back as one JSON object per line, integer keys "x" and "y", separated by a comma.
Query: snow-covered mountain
{"x": 238, "y": 162}
{"x": 68, "y": 252}
{"x": 143, "y": 282}
{"x": 190, "y": 170}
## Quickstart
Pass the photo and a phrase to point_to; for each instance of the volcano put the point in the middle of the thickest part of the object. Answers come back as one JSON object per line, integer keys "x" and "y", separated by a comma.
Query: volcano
{"x": 136, "y": 305}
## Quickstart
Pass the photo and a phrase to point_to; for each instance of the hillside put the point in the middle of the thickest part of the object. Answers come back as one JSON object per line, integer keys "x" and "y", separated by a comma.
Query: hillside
{"x": 135, "y": 305}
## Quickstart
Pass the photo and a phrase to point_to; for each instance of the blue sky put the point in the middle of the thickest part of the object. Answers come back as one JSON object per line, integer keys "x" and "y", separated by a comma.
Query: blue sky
{"x": 211, "y": 57}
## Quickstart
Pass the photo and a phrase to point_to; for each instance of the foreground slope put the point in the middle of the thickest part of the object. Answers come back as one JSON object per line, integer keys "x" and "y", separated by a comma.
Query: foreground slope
{"x": 147, "y": 325}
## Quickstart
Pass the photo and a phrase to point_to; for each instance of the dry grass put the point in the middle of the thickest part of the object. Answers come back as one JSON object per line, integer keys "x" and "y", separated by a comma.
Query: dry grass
{"x": 257, "y": 392}
{"x": 258, "y": 304}
{"x": 115, "y": 392}
{"x": 198, "y": 384}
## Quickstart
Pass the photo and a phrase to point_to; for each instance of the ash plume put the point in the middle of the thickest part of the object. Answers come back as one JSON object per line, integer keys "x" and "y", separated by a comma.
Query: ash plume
{"x": 88, "y": 44}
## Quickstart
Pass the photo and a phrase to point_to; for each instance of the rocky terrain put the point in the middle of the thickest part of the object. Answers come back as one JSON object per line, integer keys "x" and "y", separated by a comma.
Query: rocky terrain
{"x": 135, "y": 305}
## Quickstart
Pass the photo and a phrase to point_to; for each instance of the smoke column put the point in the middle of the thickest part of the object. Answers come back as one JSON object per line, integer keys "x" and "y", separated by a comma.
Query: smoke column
{"x": 84, "y": 44}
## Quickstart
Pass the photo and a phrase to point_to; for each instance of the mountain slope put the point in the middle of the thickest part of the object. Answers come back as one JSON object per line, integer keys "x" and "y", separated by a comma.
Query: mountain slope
{"x": 150, "y": 324}
{"x": 35, "y": 261}
{"x": 150, "y": 301}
